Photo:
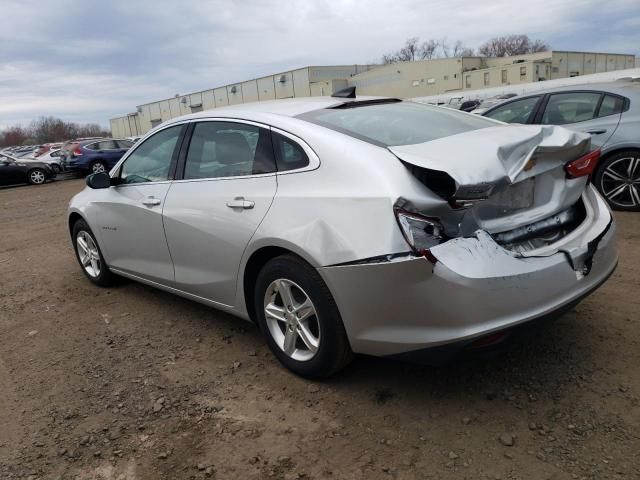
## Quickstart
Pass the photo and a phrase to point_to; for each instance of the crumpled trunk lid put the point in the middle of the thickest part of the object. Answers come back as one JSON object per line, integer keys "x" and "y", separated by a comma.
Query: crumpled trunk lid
{"x": 505, "y": 176}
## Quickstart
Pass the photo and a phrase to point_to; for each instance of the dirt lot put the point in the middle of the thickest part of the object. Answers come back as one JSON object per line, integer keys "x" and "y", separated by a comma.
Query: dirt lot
{"x": 134, "y": 383}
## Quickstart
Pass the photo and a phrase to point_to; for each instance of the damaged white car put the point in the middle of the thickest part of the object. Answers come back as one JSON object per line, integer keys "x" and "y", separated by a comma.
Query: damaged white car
{"x": 353, "y": 225}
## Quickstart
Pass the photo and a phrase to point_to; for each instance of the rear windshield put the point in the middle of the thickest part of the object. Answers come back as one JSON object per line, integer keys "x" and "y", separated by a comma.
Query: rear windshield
{"x": 400, "y": 123}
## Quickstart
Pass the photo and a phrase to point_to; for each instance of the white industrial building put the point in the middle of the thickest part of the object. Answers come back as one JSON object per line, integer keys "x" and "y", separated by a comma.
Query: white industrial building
{"x": 402, "y": 80}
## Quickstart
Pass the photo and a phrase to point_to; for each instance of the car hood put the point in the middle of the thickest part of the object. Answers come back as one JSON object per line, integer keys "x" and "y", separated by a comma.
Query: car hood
{"x": 496, "y": 154}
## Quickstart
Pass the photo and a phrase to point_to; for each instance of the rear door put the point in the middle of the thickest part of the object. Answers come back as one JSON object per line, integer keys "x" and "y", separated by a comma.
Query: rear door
{"x": 130, "y": 214}
{"x": 592, "y": 112}
{"x": 227, "y": 186}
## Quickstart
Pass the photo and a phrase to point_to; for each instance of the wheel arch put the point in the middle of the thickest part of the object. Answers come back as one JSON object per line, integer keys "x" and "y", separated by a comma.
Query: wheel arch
{"x": 613, "y": 150}
{"x": 73, "y": 218}
{"x": 254, "y": 264}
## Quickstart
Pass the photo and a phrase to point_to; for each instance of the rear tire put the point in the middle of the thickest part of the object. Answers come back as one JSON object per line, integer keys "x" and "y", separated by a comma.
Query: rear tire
{"x": 90, "y": 256}
{"x": 320, "y": 346}
{"x": 618, "y": 180}
{"x": 97, "y": 166}
{"x": 37, "y": 176}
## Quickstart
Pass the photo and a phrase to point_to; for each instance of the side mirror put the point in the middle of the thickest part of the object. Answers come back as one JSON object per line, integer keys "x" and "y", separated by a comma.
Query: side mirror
{"x": 99, "y": 180}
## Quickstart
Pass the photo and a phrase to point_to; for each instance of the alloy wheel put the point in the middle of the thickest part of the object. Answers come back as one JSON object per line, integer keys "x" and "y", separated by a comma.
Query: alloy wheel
{"x": 88, "y": 254}
{"x": 37, "y": 177}
{"x": 97, "y": 167}
{"x": 620, "y": 182}
{"x": 292, "y": 319}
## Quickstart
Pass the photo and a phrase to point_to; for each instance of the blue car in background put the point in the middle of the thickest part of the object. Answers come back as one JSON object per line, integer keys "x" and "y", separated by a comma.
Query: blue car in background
{"x": 95, "y": 155}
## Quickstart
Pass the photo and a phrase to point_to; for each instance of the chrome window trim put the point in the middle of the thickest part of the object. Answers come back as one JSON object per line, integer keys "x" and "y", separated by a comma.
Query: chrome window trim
{"x": 314, "y": 160}
{"x": 116, "y": 167}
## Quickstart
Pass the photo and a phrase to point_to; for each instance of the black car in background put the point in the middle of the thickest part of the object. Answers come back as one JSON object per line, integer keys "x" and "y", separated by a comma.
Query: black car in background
{"x": 20, "y": 170}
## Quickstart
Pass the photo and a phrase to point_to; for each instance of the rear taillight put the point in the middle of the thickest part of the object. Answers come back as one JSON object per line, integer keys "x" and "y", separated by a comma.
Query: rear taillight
{"x": 582, "y": 166}
{"x": 421, "y": 233}
{"x": 77, "y": 152}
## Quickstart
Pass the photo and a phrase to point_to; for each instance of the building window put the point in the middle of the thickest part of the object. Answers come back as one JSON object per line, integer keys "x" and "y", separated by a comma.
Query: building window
{"x": 504, "y": 76}
{"x": 467, "y": 81}
{"x": 486, "y": 78}
{"x": 523, "y": 73}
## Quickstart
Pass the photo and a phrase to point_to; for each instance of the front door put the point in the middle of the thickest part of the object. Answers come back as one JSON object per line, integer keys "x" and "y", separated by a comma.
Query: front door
{"x": 130, "y": 214}
{"x": 10, "y": 172}
{"x": 211, "y": 214}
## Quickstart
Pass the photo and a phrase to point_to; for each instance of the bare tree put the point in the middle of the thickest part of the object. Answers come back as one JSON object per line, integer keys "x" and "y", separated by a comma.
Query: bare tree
{"x": 496, "y": 47}
{"x": 13, "y": 136}
{"x": 48, "y": 129}
{"x": 511, "y": 45}
{"x": 428, "y": 49}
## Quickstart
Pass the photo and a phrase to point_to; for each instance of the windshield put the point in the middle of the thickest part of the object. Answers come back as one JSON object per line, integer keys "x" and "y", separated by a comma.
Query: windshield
{"x": 399, "y": 123}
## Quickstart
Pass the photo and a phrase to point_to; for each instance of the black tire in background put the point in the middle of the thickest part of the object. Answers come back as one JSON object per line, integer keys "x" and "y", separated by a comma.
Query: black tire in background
{"x": 619, "y": 186}
{"x": 334, "y": 351}
{"x": 97, "y": 166}
{"x": 105, "y": 278}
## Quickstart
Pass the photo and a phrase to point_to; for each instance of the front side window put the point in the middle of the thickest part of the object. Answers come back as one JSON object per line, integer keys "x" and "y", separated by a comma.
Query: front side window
{"x": 151, "y": 161}
{"x": 572, "y": 107}
{"x": 228, "y": 149}
{"x": 517, "y": 111}
{"x": 124, "y": 144}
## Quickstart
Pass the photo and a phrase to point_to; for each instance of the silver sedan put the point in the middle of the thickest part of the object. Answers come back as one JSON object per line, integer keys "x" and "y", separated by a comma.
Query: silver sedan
{"x": 353, "y": 225}
{"x": 609, "y": 112}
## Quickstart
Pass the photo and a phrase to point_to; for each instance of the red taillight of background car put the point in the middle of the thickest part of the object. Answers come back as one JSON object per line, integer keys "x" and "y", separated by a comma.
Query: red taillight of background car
{"x": 77, "y": 152}
{"x": 582, "y": 166}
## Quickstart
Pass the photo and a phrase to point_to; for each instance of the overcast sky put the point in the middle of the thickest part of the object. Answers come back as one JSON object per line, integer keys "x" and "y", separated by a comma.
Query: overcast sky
{"x": 88, "y": 61}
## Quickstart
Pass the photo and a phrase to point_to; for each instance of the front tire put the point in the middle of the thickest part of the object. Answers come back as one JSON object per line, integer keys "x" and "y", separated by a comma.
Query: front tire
{"x": 300, "y": 319}
{"x": 90, "y": 257}
{"x": 618, "y": 180}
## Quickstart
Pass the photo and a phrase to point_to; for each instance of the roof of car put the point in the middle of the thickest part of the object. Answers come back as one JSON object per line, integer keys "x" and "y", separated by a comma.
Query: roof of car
{"x": 289, "y": 107}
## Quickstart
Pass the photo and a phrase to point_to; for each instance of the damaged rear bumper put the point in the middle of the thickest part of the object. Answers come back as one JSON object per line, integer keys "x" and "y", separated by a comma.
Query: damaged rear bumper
{"x": 476, "y": 287}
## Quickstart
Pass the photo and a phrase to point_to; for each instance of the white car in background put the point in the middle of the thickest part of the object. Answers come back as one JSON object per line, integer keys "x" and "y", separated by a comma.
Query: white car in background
{"x": 53, "y": 158}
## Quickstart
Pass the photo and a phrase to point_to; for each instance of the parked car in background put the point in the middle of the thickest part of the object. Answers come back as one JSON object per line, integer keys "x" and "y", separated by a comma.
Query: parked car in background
{"x": 134, "y": 139}
{"x": 24, "y": 170}
{"x": 46, "y": 148}
{"x": 609, "y": 112}
{"x": 53, "y": 158}
{"x": 93, "y": 156}
{"x": 343, "y": 225}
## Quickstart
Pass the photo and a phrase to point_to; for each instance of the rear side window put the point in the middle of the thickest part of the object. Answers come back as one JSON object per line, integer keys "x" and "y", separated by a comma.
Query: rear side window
{"x": 228, "y": 149}
{"x": 107, "y": 145}
{"x": 289, "y": 155}
{"x": 571, "y": 107}
{"x": 518, "y": 111}
{"x": 92, "y": 146}
{"x": 611, "y": 105}
{"x": 124, "y": 144}
{"x": 398, "y": 123}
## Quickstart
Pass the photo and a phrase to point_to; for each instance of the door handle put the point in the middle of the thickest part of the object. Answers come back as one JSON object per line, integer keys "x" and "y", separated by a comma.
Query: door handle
{"x": 151, "y": 201}
{"x": 596, "y": 132}
{"x": 240, "y": 202}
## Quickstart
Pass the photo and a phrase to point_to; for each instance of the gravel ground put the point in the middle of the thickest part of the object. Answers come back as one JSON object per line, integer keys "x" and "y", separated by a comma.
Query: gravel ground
{"x": 134, "y": 383}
